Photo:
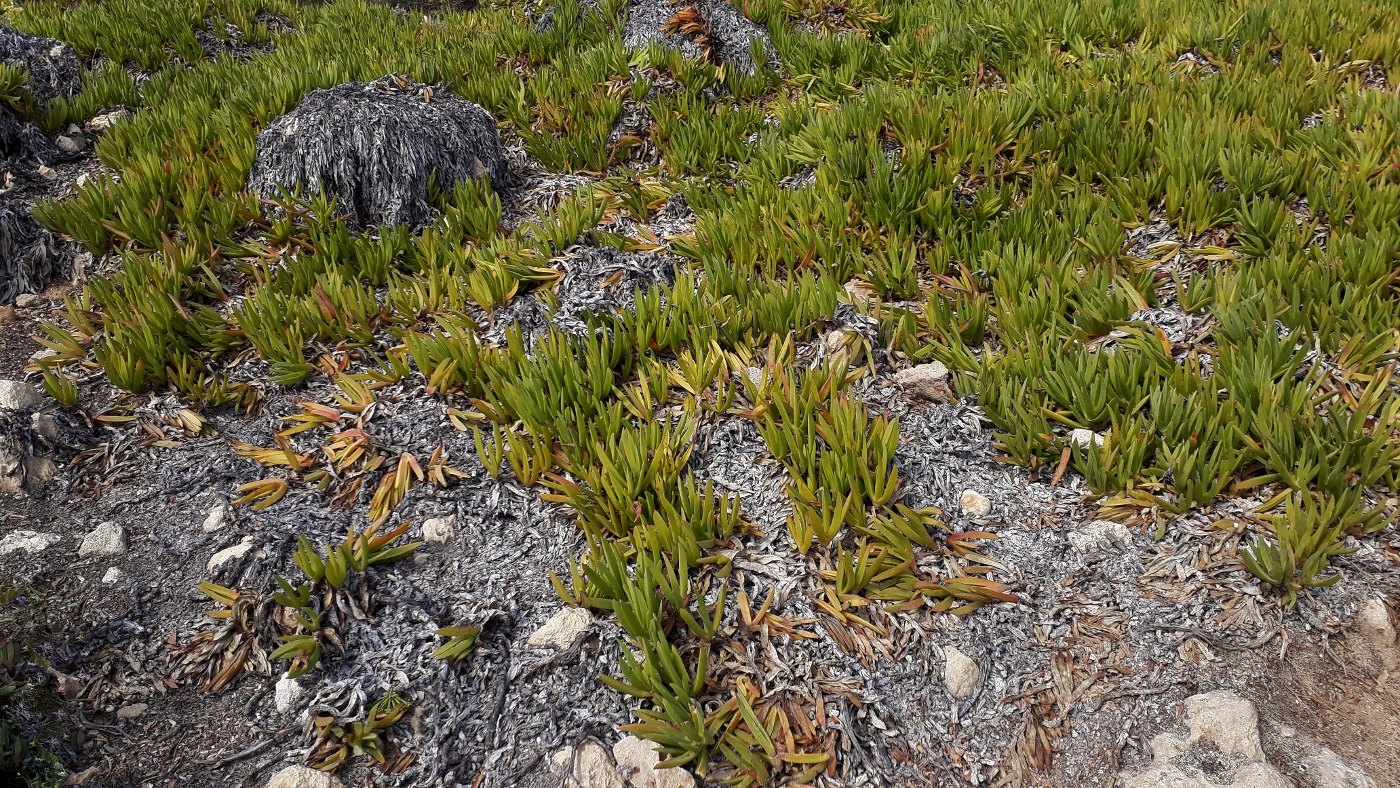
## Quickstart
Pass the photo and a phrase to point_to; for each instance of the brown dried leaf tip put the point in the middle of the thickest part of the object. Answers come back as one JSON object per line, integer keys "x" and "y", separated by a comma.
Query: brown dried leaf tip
{"x": 689, "y": 23}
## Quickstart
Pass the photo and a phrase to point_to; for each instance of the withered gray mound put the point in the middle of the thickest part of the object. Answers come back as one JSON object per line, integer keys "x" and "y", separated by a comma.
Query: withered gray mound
{"x": 27, "y": 253}
{"x": 21, "y": 140}
{"x": 374, "y": 147}
{"x": 53, "y": 67}
{"x": 730, "y": 34}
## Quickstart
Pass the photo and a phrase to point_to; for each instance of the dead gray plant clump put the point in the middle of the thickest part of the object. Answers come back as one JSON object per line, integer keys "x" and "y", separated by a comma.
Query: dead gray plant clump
{"x": 712, "y": 30}
{"x": 53, "y": 67}
{"x": 22, "y": 141}
{"x": 28, "y": 254}
{"x": 376, "y": 147}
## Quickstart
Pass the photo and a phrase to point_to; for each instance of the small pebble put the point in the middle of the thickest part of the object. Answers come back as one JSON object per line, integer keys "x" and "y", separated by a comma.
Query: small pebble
{"x": 974, "y": 503}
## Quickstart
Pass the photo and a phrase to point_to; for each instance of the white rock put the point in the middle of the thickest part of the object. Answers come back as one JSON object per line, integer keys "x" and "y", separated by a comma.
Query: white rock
{"x": 1226, "y": 722}
{"x": 440, "y": 529}
{"x": 1259, "y": 775}
{"x": 82, "y": 180}
{"x": 859, "y": 292}
{"x": 1324, "y": 769}
{"x": 1166, "y": 746}
{"x": 26, "y": 300}
{"x": 84, "y": 777}
{"x": 974, "y": 503}
{"x": 929, "y": 381}
{"x": 45, "y": 426}
{"x": 562, "y": 630}
{"x": 302, "y": 777}
{"x": 286, "y": 694}
{"x": 1100, "y": 536}
{"x": 1166, "y": 775}
{"x": 27, "y": 542}
{"x": 105, "y": 539}
{"x": 1084, "y": 438}
{"x": 37, "y": 472}
{"x": 18, "y": 395}
{"x": 47, "y": 173}
{"x": 113, "y": 575}
{"x": 1163, "y": 775}
{"x": 637, "y": 759}
{"x": 108, "y": 120}
{"x": 71, "y": 145}
{"x": 960, "y": 674}
{"x": 1374, "y": 623}
{"x": 131, "y": 712}
{"x": 835, "y": 340}
{"x": 592, "y": 766}
{"x": 235, "y": 552}
{"x": 218, "y": 515}
{"x": 21, "y": 473}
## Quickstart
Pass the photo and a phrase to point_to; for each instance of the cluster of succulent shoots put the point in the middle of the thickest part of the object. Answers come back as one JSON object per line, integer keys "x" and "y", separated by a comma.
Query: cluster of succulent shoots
{"x": 972, "y": 178}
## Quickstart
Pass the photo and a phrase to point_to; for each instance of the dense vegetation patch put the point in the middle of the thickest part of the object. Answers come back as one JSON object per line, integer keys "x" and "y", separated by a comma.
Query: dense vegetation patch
{"x": 1172, "y": 226}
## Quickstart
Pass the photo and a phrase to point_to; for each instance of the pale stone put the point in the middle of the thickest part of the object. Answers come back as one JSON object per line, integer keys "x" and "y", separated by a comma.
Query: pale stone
{"x": 11, "y": 466}
{"x": 1260, "y": 775}
{"x": 440, "y": 529}
{"x": 216, "y": 518}
{"x": 835, "y": 340}
{"x": 1166, "y": 775}
{"x": 131, "y": 712}
{"x": 1225, "y": 722}
{"x": 1324, "y": 769}
{"x": 974, "y": 503}
{"x": 84, "y": 777}
{"x": 1085, "y": 438}
{"x": 302, "y": 777}
{"x": 929, "y": 381}
{"x": 961, "y": 675}
{"x": 592, "y": 766}
{"x": 105, "y": 539}
{"x": 233, "y": 553}
{"x": 1374, "y": 623}
{"x": 37, "y": 472}
{"x": 47, "y": 173}
{"x": 1163, "y": 775}
{"x": 18, "y": 395}
{"x": 27, "y": 542}
{"x": 1099, "y": 536}
{"x": 1166, "y": 746}
{"x": 108, "y": 120}
{"x": 113, "y": 575}
{"x": 45, "y": 426}
{"x": 637, "y": 759}
{"x": 71, "y": 145}
{"x": 286, "y": 694}
{"x": 859, "y": 292}
{"x": 562, "y": 630}
{"x": 68, "y": 686}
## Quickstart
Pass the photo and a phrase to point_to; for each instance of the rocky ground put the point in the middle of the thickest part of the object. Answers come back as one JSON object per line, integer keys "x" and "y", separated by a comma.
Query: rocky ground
{"x": 1132, "y": 657}
{"x": 1125, "y": 661}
